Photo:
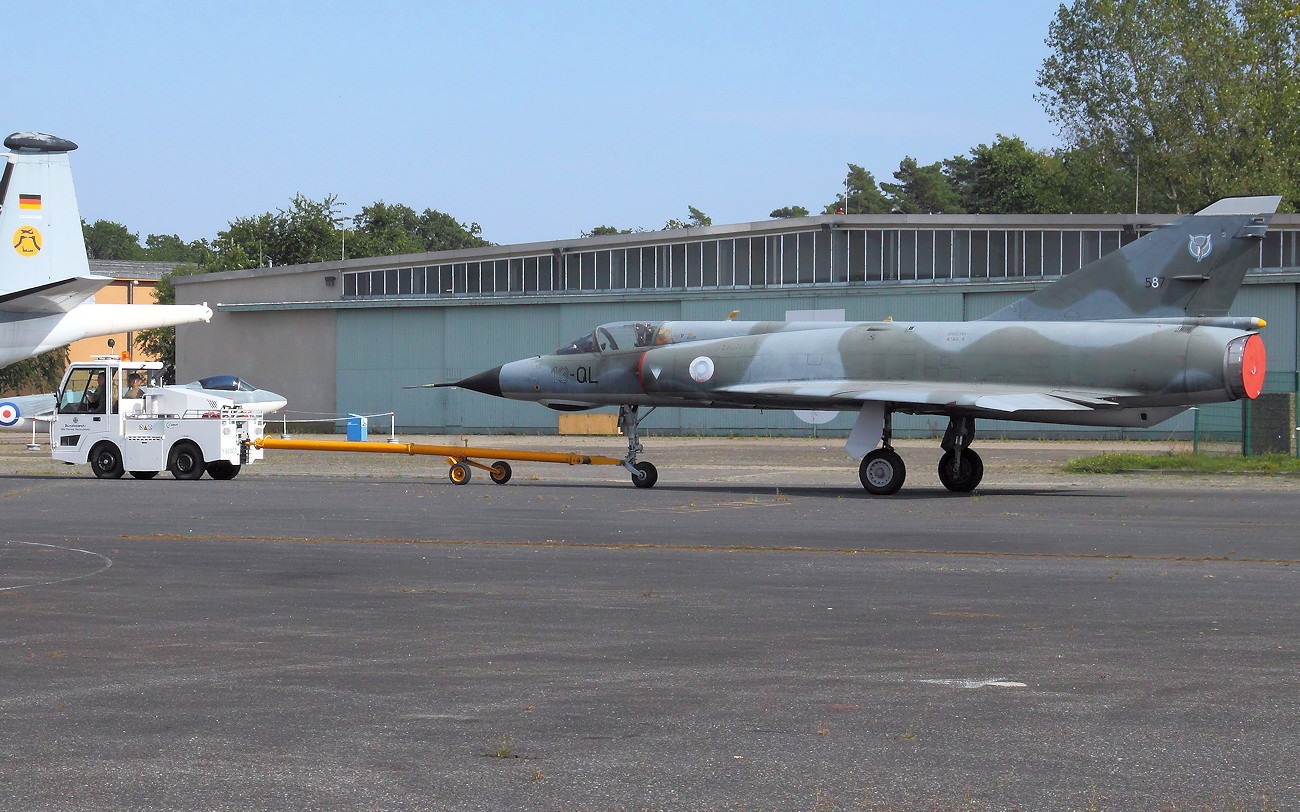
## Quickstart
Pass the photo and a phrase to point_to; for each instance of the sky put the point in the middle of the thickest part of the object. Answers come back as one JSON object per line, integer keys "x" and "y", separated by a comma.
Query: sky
{"x": 535, "y": 120}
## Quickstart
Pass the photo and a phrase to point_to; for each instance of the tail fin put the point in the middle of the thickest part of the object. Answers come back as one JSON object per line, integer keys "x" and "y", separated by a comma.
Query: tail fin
{"x": 1192, "y": 267}
{"x": 43, "y": 267}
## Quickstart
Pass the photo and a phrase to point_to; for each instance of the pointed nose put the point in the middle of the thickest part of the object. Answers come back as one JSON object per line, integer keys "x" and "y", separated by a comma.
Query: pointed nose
{"x": 489, "y": 383}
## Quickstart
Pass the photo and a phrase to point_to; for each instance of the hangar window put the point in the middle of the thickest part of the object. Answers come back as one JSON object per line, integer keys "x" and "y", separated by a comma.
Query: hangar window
{"x": 943, "y": 248}
{"x": 1052, "y": 245}
{"x": 709, "y": 256}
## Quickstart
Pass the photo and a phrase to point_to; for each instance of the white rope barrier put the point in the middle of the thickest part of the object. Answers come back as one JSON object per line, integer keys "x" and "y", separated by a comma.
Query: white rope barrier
{"x": 326, "y": 417}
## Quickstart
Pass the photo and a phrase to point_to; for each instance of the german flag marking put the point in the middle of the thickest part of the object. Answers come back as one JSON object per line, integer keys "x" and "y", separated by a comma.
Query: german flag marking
{"x": 29, "y": 201}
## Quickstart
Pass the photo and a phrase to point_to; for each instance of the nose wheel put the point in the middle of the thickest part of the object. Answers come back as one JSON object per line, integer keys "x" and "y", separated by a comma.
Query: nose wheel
{"x": 644, "y": 474}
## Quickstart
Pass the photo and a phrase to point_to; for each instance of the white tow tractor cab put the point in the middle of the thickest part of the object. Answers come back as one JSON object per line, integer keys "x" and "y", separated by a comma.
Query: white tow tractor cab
{"x": 118, "y": 417}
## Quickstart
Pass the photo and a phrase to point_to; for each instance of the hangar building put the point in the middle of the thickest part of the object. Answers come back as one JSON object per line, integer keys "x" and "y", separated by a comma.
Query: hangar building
{"x": 345, "y": 337}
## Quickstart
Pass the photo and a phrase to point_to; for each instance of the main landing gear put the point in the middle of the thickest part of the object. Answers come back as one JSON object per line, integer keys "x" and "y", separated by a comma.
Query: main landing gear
{"x": 644, "y": 475}
{"x": 960, "y": 469}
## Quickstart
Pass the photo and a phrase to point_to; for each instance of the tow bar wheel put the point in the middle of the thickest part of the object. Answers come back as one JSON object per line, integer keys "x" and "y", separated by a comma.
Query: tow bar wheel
{"x": 459, "y": 473}
{"x": 500, "y": 472}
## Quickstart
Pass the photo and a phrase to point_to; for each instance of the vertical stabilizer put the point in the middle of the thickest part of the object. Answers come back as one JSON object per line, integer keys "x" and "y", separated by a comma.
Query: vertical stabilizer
{"x": 40, "y": 225}
{"x": 1192, "y": 267}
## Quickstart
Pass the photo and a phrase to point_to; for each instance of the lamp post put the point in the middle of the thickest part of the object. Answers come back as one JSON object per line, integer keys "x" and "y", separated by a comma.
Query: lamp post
{"x": 130, "y": 335}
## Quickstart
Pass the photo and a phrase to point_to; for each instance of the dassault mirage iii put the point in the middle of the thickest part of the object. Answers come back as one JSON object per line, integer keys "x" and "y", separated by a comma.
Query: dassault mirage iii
{"x": 1129, "y": 340}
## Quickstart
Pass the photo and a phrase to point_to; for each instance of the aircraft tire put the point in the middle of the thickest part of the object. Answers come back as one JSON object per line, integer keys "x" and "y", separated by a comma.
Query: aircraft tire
{"x": 223, "y": 469}
{"x": 106, "y": 461}
{"x": 459, "y": 473}
{"x": 144, "y": 474}
{"x": 500, "y": 472}
{"x": 968, "y": 476}
{"x": 882, "y": 472}
{"x": 186, "y": 461}
{"x": 646, "y": 476}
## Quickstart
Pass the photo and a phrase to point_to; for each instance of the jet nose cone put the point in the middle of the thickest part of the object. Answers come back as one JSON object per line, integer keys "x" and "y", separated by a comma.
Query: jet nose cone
{"x": 489, "y": 383}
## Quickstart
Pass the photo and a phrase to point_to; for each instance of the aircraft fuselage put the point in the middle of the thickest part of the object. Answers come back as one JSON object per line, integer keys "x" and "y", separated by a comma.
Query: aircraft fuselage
{"x": 949, "y": 367}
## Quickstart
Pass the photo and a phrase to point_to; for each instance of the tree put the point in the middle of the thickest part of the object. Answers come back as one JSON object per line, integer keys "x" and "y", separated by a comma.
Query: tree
{"x": 605, "y": 231}
{"x": 42, "y": 373}
{"x": 788, "y": 211}
{"x": 384, "y": 229}
{"x": 109, "y": 240}
{"x": 922, "y": 189}
{"x": 171, "y": 248}
{"x": 1204, "y": 96}
{"x": 861, "y": 195}
{"x": 1007, "y": 177}
{"x": 696, "y": 219}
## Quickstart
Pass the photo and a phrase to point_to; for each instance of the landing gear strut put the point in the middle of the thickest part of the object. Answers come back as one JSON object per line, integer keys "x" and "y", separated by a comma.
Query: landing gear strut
{"x": 882, "y": 471}
{"x": 960, "y": 469}
{"x": 644, "y": 475}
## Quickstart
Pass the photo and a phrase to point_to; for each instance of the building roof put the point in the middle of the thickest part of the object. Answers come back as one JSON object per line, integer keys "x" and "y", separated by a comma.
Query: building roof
{"x": 131, "y": 269}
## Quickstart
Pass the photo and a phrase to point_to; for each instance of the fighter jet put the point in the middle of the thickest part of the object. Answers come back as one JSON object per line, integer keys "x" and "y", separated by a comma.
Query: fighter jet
{"x": 240, "y": 391}
{"x": 1129, "y": 340}
{"x": 46, "y": 288}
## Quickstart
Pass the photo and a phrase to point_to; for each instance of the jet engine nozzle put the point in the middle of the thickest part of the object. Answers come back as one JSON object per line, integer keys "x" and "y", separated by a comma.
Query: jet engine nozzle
{"x": 1244, "y": 366}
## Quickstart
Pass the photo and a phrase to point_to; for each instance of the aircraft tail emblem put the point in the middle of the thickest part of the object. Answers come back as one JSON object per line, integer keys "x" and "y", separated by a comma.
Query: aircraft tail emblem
{"x": 1200, "y": 246}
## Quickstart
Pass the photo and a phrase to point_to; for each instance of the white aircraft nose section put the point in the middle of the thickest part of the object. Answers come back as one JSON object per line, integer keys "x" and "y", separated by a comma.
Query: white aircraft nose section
{"x": 240, "y": 391}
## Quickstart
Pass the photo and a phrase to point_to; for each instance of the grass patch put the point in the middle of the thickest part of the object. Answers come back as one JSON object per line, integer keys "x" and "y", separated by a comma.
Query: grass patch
{"x": 1198, "y": 463}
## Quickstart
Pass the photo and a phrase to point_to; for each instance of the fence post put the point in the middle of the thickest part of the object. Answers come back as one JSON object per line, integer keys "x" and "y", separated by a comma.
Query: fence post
{"x": 1196, "y": 431}
{"x": 1245, "y": 427}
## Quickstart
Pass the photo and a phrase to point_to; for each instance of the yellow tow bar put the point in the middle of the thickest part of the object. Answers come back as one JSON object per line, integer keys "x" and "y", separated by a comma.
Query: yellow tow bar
{"x": 458, "y": 457}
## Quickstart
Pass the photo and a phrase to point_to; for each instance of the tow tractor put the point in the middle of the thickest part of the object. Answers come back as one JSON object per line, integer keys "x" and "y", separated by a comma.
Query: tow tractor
{"x": 118, "y": 417}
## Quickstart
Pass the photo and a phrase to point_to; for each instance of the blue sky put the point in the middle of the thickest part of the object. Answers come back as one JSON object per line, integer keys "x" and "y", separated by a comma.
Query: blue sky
{"x": 536, "y": 120}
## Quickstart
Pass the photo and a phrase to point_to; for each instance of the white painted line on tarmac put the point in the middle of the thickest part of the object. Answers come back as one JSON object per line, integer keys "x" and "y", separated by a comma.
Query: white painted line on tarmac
{"x": 996, "y": 682}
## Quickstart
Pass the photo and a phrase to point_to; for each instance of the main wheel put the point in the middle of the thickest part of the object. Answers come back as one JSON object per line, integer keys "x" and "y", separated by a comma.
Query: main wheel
{"x": 144, "y": 474}
{"x": 500, "y": 472}
{"x": 882, "y": 472}
{"x": 223, "y": 469}
{"x": 646, "y": 475}
{"x": 969, "y": 471}
{"x": 106, "y": 461}
{"x": 459, "y": 473}
{"x": 186, "y": 461}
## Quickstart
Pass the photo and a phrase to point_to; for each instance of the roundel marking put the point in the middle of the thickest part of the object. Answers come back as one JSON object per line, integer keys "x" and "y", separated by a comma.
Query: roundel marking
{"x": 9, "y": 414}
{"x": 1253, "y": 366}
{"x": 702, "y": 369}
{"x": 27, "y": 241}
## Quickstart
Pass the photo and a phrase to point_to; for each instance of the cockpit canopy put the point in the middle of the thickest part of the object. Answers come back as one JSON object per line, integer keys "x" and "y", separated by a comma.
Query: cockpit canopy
{"x": 617, "y": 335}
{"x": 227, "y": 383}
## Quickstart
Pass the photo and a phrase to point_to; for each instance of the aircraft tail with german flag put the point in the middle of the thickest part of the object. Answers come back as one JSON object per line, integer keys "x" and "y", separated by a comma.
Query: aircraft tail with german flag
{"x": 46, "y": 288}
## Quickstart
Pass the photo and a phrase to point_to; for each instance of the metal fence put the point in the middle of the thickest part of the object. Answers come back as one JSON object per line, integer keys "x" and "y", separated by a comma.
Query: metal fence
{"x": 1269, "y": 424}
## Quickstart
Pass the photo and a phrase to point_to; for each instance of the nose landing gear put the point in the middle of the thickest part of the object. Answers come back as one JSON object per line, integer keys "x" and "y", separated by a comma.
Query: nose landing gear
{"x": 644, "y": 474}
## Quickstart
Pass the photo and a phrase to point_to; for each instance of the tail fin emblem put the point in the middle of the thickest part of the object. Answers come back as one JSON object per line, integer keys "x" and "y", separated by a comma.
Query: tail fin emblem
{"x": 27, "y": 241}
{"x": 1200, "y": 246}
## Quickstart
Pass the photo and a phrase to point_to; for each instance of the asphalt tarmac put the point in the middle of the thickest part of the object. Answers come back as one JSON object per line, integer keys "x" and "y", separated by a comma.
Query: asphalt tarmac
{"x": 754, "y": 633}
